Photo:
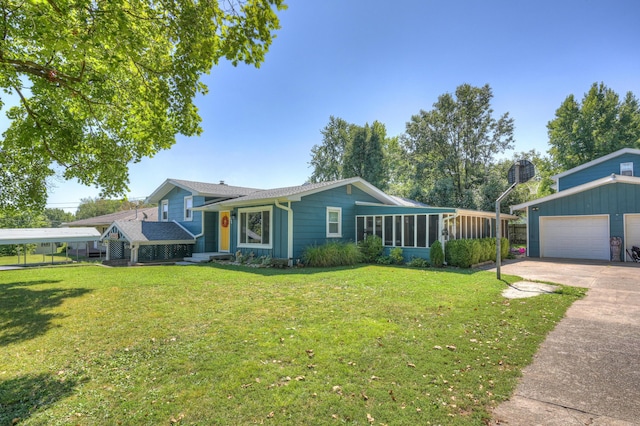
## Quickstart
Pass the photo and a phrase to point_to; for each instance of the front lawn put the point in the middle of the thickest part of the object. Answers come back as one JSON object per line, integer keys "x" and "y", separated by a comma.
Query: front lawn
{"x": 231, "y": 345}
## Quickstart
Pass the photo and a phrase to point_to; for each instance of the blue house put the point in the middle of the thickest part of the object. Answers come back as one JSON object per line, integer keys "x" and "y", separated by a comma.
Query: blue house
{"x": 280, "y": 223}
{"x": 595, "y": 203}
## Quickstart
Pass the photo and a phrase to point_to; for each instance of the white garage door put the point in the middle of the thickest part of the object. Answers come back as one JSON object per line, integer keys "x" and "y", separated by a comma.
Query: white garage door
{"x": 632, "y": 231}
{"x": 575, "y": 237}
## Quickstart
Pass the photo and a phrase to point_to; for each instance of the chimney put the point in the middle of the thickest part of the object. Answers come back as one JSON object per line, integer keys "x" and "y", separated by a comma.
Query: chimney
{"x": 222, "y": 182}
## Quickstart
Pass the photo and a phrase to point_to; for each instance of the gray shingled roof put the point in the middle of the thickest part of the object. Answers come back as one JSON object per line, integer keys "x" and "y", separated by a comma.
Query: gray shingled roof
{"x": 211, "y": 190}
{"x": 288, "y": 191}
{"x": 153, "y": 232}
{"x": 107, "y": 219}
{"x": 214, "y": 189}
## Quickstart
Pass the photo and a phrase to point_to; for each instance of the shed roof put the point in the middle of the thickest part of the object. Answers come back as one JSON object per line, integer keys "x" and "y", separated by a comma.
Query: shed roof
{"x": 47, "y": 235}
{"x": 146, "y": 233}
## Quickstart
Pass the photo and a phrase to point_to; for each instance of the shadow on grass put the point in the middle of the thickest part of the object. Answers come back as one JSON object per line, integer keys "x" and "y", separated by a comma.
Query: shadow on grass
{"x": 21, "y": 397}
{"x": 23, "y": 311}
{"x": 269, "y": 272}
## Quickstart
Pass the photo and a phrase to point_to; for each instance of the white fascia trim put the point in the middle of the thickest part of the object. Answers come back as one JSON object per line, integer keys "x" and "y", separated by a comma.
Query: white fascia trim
{"x": 597, "y": 161}
{"x": 634, "y": 180}
{"x": 124, "y": 234}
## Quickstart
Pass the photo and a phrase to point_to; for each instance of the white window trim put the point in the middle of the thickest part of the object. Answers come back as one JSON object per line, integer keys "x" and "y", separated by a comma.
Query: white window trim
{"x": 188, "y": 219}
{"x": 339, "y": 211}
{"x": 162, "y": 204}
{"x": 252, "y": 210}
{"x": 626, "y": 167}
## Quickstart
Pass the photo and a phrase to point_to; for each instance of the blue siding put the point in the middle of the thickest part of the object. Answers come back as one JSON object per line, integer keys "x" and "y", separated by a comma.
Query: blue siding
{"x": 310, "y": 217}
{"x": 176, "y": 213}
{"x": 614, "y": 199}
{"x": 598, "y": 171}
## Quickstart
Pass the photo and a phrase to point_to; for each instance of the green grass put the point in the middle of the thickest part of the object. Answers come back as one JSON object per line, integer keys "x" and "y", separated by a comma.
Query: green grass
{"x": 232, "y": 345}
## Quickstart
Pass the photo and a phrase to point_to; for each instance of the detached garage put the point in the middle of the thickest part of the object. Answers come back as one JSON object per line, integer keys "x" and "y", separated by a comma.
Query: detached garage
{"x": 578, "y": 223}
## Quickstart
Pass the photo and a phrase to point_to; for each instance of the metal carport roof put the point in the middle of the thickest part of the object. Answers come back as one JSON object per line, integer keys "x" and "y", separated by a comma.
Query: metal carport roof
{"x": 47, "y": 235}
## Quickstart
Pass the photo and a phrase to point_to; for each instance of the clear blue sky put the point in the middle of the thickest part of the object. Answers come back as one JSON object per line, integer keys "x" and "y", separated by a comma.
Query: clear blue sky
{"x": 366, "y": 60}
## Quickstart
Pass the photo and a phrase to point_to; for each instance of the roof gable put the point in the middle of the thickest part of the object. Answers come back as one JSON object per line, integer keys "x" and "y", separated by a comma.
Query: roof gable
{"x": 592, "y": 163}
{"x": 580, "y": 188}
{"x": 295, "y": 193}
{"x": 217, "y": 190}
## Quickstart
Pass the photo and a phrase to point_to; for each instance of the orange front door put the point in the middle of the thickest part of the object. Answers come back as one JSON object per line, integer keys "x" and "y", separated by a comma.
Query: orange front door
{"x": 225, "y": 231}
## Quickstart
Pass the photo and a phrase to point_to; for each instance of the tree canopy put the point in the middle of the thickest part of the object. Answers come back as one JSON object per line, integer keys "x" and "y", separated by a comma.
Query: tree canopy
{"x": 92, "y": 207}
{"x": 599, "y": 125}
{"x": 349, "y": 150}
{"x": 451, "y": 148}
{"x": 102, "y": 84}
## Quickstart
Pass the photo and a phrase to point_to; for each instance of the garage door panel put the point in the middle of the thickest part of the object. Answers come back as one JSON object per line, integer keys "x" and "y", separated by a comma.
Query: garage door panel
{"x": 632, "y": 230}
{"x": 575, "y": 237}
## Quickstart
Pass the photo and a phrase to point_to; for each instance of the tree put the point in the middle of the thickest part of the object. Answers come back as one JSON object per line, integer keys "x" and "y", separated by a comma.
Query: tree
{"x": 57, "y": 217}
{"x": 349, "y": 150}
{"x": 326, "y": 159}
{"x": 92, "y": 207}
{"x": 364, "y": 156}
{"x": 102, "y": 84}
{"x": 601, "y": 124}
{"x": 451, "y": 148}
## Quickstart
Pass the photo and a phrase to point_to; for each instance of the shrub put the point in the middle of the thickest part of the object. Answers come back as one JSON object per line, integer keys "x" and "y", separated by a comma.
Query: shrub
{"x": 383, "y": 260}
{"x": 332, "y": 254}
{"x": 464, "y": 253}
{"x": 397, "y": 258}
{"x": 436, "y": 255}
{"x": 418, "y": 262}
{"x": 371, "y": 248}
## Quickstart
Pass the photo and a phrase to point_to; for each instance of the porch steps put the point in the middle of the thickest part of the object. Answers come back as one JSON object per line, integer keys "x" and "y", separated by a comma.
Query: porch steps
{"x": 207, "y": 257}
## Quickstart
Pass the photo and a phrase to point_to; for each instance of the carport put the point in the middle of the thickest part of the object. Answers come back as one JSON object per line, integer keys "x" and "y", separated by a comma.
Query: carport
{"x": 24, "y": 236}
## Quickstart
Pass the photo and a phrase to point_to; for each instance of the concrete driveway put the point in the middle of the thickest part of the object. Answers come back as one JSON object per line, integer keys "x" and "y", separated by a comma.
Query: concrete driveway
{"x": 587, "y": 371}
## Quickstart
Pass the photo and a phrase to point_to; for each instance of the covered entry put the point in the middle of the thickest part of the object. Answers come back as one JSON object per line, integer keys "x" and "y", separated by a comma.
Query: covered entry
{"x": 575, "y": 237}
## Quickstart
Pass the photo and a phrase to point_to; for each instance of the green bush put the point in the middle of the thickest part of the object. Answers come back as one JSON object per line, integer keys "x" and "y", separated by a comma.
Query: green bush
{"x": 332, "y": 254}
{"x": 418, "y": 262}
{"x": 397, "y": 258}
{"x": 383, "y": 260}
{"x": 464, "y": 253}
{"x": 371, "y": 248}
{"x": 436, "y": 255}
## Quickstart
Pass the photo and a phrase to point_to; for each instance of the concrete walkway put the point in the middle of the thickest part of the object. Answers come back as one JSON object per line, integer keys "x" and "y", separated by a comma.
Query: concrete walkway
{"x": 587, "y": 371}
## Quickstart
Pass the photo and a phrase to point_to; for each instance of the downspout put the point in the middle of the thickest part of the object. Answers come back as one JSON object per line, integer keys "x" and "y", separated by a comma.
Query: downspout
{"x": 289, "y": 211}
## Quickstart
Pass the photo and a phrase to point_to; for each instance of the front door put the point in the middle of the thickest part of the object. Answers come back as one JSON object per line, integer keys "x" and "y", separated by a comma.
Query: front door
{"x": 225, "y": 231}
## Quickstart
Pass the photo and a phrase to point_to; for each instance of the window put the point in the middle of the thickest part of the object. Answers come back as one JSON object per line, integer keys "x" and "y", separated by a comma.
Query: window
{"x": 255, "y": 228}
{"x": 334, "y": 222}
{"x": 410, "y": 230}
{"x": 626, "y": 169}
{"x": 188, "y": 208}
{"x": 164, "y": 210}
